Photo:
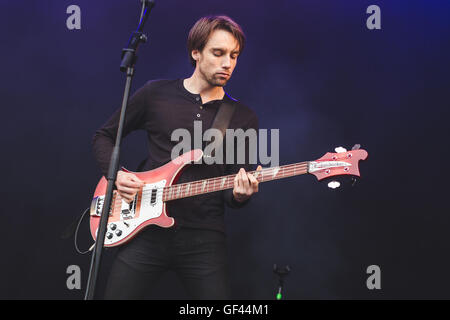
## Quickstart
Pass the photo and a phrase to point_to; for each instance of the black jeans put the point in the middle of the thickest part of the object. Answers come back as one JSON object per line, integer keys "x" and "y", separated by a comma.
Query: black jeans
{"x": 197, "y": 256}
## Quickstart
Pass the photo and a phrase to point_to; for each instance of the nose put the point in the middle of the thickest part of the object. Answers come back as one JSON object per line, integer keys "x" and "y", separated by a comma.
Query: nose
{"x": 226, "y": 62}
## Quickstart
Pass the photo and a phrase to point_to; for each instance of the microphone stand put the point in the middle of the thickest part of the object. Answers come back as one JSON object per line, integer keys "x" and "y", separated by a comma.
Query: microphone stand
{"x": 281, "y": 273}
{"x": 127, "y": 64}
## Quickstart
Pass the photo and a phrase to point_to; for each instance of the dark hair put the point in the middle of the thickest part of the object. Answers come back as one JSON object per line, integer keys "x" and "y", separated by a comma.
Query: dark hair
{"x": 200, "y": 32}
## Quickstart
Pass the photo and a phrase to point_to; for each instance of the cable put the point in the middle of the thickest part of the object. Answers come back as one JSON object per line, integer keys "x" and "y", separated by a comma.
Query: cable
{"x": 76, "y": 233}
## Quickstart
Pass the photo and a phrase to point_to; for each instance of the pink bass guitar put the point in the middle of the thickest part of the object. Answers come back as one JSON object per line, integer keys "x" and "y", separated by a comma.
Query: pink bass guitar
{"x": 149, "y": 206}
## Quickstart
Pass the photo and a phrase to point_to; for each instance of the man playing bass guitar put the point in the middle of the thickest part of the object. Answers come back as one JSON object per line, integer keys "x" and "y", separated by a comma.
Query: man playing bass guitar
{"x": 195, "y": 248}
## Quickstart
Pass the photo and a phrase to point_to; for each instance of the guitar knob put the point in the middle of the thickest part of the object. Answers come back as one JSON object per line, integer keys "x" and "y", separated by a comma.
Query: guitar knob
{"x": 109, "y": 235}
{"x": 340, "y": 149}
{"x": 113, "y": 226}
{"x": 118, "y": 233}
{"x": 334, "y": 184}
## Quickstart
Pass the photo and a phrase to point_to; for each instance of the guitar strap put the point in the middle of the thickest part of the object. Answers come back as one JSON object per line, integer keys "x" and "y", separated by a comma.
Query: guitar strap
{"x": 222, "y": 120}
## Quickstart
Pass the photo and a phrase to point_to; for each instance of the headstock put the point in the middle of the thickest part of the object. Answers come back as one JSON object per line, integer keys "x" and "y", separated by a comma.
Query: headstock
{"x": 342, "y": 162}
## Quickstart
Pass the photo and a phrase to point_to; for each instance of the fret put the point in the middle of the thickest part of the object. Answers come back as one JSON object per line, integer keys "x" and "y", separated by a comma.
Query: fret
{"x": 223, "y": 182}
{"x": 197, "y": 185}
{"x": 275, "y": 172}
{"x": 204, "y": 185}
{"x": 187, "y": 189}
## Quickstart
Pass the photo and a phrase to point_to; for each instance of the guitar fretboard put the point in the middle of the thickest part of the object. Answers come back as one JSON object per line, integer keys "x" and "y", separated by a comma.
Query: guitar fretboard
{"x": 198, "y": 187}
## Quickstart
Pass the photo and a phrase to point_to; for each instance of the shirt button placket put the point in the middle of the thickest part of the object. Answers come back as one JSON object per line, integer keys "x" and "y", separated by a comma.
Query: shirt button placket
{"x": 201, "y": 107}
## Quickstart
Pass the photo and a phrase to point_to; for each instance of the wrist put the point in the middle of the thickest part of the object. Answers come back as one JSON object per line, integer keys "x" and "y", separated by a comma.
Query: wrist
{"x": 239, "y": 199}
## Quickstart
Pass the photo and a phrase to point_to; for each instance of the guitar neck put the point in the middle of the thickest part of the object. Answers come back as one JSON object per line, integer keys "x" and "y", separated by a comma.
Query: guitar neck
{"x": 198, "y": 187}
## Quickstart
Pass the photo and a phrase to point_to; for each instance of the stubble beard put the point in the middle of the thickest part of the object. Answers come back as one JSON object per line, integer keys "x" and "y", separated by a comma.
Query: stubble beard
{"x": 213, "y": 80}
{"x": 217, "y": 82}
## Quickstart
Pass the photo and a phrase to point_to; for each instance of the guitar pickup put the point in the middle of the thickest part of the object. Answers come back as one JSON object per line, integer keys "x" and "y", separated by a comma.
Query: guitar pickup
{"x": 153, "y": 197}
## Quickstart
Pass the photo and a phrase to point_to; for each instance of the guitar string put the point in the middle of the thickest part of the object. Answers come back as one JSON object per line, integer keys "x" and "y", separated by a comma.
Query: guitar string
{"x": 228, "y": 184}
{"x": 198, "y": 186}
{"x": 281, "y": 172}
{"x": 260, "y": 173}
{"x": 209, "y": 181}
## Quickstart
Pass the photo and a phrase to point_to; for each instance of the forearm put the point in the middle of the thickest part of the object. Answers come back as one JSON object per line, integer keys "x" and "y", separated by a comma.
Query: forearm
{"x": 102, "y": 147}
{"x": 105, "y": 137}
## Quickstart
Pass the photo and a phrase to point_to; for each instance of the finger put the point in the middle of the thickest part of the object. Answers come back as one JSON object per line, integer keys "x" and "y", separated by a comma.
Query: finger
{"x": 136, "y": 179}
{"x": 130, "y": 191}
{"x": 255, "y": 185}
{"x": 129, "y": 178}
{"x": 126, "y": 197}
{"x": 244, "y": 179}
{"x": 253, "y": 180}
{"x": 130, "y": 184}
{"x": 259, "y": 168}
{"x": 236, "y": 181}
{"x": 236, "y": 185}
{"x": 253, "y": 176}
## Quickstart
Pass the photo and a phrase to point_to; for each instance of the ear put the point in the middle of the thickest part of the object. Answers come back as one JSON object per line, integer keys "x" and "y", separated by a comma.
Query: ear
{"x": 195, "y": 55}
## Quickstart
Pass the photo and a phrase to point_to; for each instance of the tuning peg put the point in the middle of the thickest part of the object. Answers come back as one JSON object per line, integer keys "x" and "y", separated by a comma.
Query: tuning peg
{"x": 334, "y": 184}
{"x": 340, "y": 149}
{"x": 356, "y": 147}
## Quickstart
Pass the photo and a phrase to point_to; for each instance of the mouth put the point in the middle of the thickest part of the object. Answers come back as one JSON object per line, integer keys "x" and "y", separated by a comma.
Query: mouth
{"x": 222, "y": 74}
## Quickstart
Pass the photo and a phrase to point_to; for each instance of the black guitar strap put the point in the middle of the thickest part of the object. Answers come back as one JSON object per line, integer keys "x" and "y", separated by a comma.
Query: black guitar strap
{"x": 222, "y": 120}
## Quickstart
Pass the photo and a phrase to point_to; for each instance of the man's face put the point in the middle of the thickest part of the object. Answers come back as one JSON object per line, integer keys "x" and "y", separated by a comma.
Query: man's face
{"x": 219, "y": 56}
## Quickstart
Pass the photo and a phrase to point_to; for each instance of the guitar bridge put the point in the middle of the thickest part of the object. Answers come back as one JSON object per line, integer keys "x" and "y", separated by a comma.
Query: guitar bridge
{"x": 97, "y": 206}
{"x": 128, "y": 210}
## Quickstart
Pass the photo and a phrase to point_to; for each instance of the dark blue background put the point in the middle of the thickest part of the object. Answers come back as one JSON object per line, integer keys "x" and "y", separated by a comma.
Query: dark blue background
{"x": 310, "y": 68}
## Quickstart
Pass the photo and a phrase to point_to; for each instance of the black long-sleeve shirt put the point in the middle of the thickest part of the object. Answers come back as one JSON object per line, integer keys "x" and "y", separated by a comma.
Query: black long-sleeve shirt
{"x": 160, "y": 107}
